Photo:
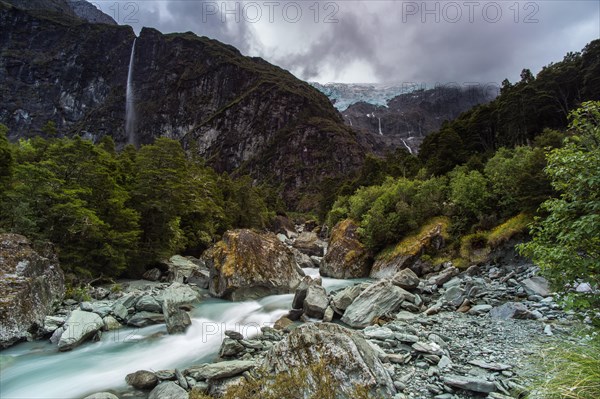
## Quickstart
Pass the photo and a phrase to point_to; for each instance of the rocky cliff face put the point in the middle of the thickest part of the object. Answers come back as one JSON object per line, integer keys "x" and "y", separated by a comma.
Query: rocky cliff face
{"x": 243, "y": 114}
{"x": 409, "y": 117}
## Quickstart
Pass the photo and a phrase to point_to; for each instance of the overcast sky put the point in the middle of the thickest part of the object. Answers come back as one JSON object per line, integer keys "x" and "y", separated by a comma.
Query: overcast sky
{"x": 382, "y": 41}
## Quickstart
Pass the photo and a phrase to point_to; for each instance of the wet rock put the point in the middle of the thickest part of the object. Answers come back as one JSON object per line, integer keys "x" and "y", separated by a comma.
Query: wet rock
{"x": 179, "y": 269}
{"x": 379, "y": 299}
{"x": 217, "y": 371}
{"x": 328, "y": 315}
{"x": 145, "y": 319}
{"x": 351, "y": 360}
{"x": 147, "y": 303}
{"x": 444, "y": 276}
{"x": 120, "y": 311}
{"x": 181, "y": 379}
{"x": 200, "y": 277}
{"x": 168, "y": 390}
{"x": 176, "y": 319}
{"x": 110, "y": 323}
{"x": 31, "y": 283}
{"x": 345, "y": 297}
{"x": 246, "y": 265}
{"x": 346, "y": 256}
{"x": 178, "y": 294}
{"x": 470, "y": 383}
{"x": 230, "y": 348}
{"x": 406, "y": 279}
{"x": 79, "y": 327}
{"x": 51, "y": 323}
{"x": 301, "y": 291}
{"x": 142, "y": 379}
{"x": 282, "y": 323}
{"x": 316, "y": 301}
{"x": 536, "y": 285}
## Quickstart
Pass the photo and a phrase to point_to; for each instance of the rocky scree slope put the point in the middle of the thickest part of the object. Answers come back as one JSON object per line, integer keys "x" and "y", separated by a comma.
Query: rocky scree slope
{"x": 242, "y": 114}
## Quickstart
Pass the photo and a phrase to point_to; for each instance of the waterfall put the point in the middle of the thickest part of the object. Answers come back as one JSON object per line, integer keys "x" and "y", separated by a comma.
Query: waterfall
{"x": 130, "y": 101}
{"x": 380, "y": 132}
{"x": 407, "y": 146}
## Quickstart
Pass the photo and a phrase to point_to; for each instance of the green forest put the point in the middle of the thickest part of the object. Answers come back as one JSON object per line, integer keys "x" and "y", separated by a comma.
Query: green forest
{"x": 114, "y": 213}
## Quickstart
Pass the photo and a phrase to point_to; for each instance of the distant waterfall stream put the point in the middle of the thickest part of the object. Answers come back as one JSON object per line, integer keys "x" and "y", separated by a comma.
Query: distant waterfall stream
{"x": 130, "y": 101}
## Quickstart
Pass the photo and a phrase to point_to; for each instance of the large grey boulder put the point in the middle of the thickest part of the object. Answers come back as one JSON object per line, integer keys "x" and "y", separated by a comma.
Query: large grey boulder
{"x": 176, "y": 319}
{"x": 180, "y": 269}
{"x": 249, "y": 265}
{"x": 31, "y": 284}
{"x": 316, "y": 301}
{"x": 406, "y": 279}
{"x": 145, "y": 319}
{"x": 178, "y": 294}
{"x": 79, "y": 327}
{"x": 148, "y": 304}
{"x": 470, "y": 383}
{"x": 344, "y": 298}
{"x": 142, "y": 379}
{"x": 346, "y": 256}
{"x": 348, "y": 357}
{"x": 168, "y": 390}
{"x": 379, "y": 299}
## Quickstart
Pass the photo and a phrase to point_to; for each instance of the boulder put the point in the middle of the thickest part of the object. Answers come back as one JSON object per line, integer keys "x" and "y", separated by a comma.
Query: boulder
{"x": 349, "y": 358}
{"x": 79, "y": 327}
{"x": 200, "y": 277}
{"x": 309, "y": 243}
{"x": 316, "y": 301}
{"x": 249, "y": 265}
{"x": 511, "y": 310}
{"x": 346, "y": 256}
{"x": 145, "y": 319}
{"x": 345, "y": 297}
{"x": 31, "y": 283}
{"x": 51, "y": 323}
{"x": 536, "y": 285}
{"x": 142, "y": 379}
{"x": 408, "y": 251}
{"x": 230, "y": 347}
{"x": 379, "y": 299}
{"x": 303, "y": 260}
{"x": 301, "y": 291}
{"x": 168, "y": 390}
{"x": 220, "y": 370}
{"x": 178, "y": 294}
{"x": 179, "y": 269}
{"x": 176, "y": 319}
{"x": 147, "y": 303}
{"x": 110, "y": 323}
{"x": 470, "y": 383}
{"x": 406, "y": 279}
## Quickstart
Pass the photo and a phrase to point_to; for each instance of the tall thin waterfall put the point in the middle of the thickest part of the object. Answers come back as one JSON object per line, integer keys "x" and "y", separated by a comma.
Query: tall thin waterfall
{"x": 130, "y": 101}
{"x": 380, "y": 132}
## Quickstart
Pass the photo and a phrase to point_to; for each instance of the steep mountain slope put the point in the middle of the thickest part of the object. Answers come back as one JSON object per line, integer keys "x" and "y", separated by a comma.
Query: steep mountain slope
{"x": 242, "y": 114}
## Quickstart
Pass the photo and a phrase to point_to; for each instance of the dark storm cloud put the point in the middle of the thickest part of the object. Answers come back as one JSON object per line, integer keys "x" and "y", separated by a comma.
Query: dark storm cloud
{"x": 390, "y": 41}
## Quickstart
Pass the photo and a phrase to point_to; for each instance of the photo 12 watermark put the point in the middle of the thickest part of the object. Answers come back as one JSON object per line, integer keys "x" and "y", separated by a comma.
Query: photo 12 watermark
{"x": 470, "y": 11}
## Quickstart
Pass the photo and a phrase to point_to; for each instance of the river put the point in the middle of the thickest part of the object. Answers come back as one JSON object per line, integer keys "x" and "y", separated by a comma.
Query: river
{"x": 37, "y": 370}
